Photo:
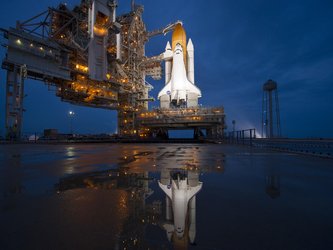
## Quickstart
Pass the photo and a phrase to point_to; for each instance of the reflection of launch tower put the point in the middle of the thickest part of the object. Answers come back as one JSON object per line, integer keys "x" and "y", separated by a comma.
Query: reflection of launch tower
{"x": 270, "y": 110}
{"x": 179, "y": 90}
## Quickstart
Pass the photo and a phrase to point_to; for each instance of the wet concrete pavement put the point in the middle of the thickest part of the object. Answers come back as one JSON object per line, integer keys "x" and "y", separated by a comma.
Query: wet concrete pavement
{"x": 106, "y": 196}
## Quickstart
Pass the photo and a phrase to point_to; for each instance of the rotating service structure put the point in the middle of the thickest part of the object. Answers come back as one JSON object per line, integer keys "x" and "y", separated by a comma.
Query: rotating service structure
{"x": 88, "y": 54}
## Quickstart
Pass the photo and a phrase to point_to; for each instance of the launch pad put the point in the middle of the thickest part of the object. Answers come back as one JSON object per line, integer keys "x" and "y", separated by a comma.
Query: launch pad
{"x": 158, "y": 122}
{"x": 91, "y": 57}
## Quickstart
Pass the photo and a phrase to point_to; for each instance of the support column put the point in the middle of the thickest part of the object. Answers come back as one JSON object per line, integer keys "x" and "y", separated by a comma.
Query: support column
{"x": 14, "y": 102}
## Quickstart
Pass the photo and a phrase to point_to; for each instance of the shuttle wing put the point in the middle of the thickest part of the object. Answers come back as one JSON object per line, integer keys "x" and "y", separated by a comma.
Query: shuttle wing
{"x": 166, "y": 90}
{"x": 166, "y": 189}
{"x": 190, "y": 87}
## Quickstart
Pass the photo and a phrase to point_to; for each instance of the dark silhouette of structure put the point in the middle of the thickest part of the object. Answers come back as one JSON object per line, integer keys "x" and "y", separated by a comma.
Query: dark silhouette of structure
{"x": 270, "y": 111}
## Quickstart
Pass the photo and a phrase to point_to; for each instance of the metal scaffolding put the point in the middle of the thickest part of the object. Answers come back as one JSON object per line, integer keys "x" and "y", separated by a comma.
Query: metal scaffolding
{"x": 92, "y": 57}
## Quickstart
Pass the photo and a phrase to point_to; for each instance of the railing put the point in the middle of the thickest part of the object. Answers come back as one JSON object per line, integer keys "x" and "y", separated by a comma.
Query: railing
{"x": 246, "y": 137}
{"x": 316, "y": 147}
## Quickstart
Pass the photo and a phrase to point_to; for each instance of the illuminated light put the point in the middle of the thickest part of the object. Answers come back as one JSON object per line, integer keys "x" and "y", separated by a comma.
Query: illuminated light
{"x": 82, "y": 68}
{"x": 18, "y": 41}
{"x": 41, "y": 48}
{"x": 108, "y": 76}
{"x": 31, "y": 45}
{"x": 62, "y": 36}
{"x": 100, "y": 31}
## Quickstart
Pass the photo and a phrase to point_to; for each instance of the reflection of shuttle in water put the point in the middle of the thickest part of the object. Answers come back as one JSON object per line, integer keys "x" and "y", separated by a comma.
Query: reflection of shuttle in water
{"x": 181, "y": 192}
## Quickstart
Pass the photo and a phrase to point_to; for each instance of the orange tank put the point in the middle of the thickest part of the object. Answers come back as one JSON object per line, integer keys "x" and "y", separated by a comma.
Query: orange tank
{"x": 179, "y": 36}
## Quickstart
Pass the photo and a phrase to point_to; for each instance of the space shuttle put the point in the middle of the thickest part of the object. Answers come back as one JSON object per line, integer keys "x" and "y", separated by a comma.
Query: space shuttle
{"x": 182, "y": 196}
{"x": 179, "y": 89}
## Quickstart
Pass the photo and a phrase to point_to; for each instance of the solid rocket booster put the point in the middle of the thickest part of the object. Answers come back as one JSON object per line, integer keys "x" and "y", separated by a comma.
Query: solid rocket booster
{"x": 180, "y": 89}
{"x": 168, "y": 64}
{"x": 190, "y": 61}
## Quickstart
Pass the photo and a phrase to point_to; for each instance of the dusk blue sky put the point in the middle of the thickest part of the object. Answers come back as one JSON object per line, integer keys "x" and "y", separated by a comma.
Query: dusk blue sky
{"x": 238, "y": 44}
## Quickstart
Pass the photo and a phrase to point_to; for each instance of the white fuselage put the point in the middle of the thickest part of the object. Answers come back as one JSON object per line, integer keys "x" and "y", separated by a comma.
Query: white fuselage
{"x": 178, "y": 88}
{"x": 178, "y": 76}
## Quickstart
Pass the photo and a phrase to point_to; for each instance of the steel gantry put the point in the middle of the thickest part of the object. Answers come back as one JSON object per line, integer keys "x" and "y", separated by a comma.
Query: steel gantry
{"x": 90, "y": 55}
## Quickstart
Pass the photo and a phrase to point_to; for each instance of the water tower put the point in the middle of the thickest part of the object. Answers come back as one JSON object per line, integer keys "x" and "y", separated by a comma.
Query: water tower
{"x": 270, "y": 120}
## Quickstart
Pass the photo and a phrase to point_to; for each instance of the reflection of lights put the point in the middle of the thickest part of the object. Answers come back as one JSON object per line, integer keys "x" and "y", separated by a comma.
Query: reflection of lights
{"x": 122, "y": 202}
{"x": 70, "y": 169}
{"x": 70, "y": 152}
